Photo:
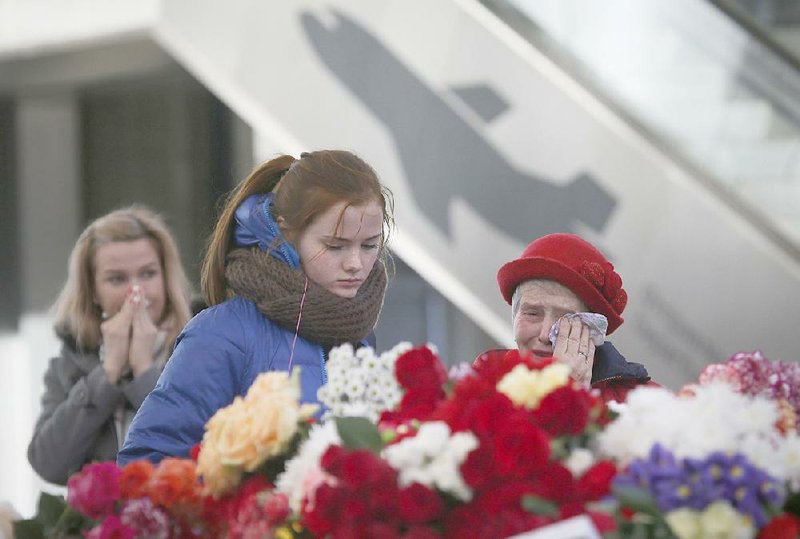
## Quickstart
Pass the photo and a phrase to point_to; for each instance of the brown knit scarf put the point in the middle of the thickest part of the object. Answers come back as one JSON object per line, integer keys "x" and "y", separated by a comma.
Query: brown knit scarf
{"x": 277, "y": 289}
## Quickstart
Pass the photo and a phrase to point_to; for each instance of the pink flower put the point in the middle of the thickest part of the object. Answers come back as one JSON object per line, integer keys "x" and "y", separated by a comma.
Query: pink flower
{"x": 111, "y": 528}
{"x": 751, "y": 373}
{"x": 277, "y": 508}
{"x": 145, "y": 519}
{"x": 95, "y": 489}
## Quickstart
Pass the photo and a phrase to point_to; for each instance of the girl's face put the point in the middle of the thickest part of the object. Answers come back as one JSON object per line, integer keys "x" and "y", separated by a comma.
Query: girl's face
{"x": 339, "y": 258}
{"x": 119, "y": 266}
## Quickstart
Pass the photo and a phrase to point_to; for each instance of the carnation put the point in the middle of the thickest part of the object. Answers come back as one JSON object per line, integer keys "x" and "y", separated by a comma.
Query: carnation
{"x": 433, "y": 458}
{"x": 527, "y": 387}
{"x": 148, "y": 520}
{"x": 303, "y": 473}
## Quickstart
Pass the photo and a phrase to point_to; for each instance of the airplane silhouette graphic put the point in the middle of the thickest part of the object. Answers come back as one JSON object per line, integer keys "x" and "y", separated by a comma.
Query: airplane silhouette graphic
{"x": 442, "y": 155}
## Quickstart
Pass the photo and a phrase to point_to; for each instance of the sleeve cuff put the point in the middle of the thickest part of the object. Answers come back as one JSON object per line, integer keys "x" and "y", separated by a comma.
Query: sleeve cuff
{"x": 137, "y": 389}
{"x": 95, "y": 390}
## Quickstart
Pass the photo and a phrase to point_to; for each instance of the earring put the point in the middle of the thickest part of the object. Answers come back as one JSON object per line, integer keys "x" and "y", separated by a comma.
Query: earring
{"x": 104, "y": 315}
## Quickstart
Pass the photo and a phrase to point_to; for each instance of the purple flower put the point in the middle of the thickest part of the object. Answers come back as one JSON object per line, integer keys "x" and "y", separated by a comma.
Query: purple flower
{"x": 95, "y": 489}
{"x": 696, "y": 483}
{"x": 145, "y": 519}
{"x": 110, "y": 528}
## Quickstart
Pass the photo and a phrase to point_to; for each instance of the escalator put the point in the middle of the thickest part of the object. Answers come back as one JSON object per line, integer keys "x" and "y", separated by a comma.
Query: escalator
{"x": 707, "y": 80}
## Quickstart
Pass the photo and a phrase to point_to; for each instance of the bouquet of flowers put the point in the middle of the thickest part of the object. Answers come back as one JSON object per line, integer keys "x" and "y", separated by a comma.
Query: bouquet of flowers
{"x": 403, "y": 450}
{"x": 485, "y": 455}
{"x": 105, "y": 501}
{"x": 719, "y": 459}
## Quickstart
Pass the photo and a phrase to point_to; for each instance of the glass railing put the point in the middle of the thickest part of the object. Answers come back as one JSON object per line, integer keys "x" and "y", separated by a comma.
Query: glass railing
{"x": 774, "y": 22}
{"x": 690, "y": 76}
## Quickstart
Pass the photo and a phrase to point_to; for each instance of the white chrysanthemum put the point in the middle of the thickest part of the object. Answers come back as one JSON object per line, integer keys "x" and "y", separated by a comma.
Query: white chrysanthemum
{"x": 360, "y": 382}
{"x": 294, "y": 480}
{"x": 715, "y": 418}
{"x": 433, "y": 458}
{"x": 788, "y": 459}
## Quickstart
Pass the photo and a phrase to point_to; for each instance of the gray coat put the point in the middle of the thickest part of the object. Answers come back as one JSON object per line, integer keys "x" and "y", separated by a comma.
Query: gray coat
{"x": 77, "y": 423}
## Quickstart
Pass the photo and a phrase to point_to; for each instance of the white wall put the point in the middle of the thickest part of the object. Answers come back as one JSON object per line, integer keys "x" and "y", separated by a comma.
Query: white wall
{"x": 23, "y": 360}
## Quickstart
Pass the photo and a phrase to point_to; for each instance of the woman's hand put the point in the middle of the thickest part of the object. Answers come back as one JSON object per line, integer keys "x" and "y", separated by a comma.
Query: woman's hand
{"x": 116, "y": 332}
{"x": 143, "y": 338}
{"x": 574, "y": 348}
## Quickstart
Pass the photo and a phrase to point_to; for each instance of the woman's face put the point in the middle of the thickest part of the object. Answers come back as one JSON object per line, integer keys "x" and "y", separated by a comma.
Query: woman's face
{"x": 119, "y": 266}
{"x": 340, "y": 258}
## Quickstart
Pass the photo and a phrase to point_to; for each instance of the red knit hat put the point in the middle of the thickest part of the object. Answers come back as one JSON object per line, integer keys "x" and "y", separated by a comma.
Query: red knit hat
{"x": 576, "y": 264}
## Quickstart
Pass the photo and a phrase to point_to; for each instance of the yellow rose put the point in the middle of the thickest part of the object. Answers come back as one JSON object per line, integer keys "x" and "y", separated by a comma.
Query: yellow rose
{"x": 527, "y": 387}
{"x": 218, "y": 478}
{"x": 237, "y": 442}
{"x": 241, "y": 436}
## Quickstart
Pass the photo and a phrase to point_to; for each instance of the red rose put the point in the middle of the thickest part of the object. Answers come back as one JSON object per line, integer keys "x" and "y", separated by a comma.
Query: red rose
{"x": 361, "y": 467}
{"x": 520, "y": 448}
{"x": 419, "y": 504}
{"x": 595, "y": 483}
{"x": 785, "y": 526}
{"x": 478, "y": 469}
{"x": 556, "y": 484}
{"x": 504, "y": 495}
{"x": 365, "y": 493}
{"x": 564, "y": 410}
{"x": 463, "y": 522}
{"x": 419, "y": 367}
{"x": 321, "y": 514}
{"x": 419, "y": 403}
{"x": 94, "y": 490}
{"x": 421, "y": 532}
{"x": 485, "y": 417}
{"x": 604, "y": 522}
{"x": 333, "y": 459}
{"x": 378, "y": 530}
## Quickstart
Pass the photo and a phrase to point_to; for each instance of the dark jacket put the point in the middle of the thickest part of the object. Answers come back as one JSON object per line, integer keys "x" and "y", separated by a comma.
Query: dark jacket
{"x": 76, "y": 425}
{"x": 612, "y": 374}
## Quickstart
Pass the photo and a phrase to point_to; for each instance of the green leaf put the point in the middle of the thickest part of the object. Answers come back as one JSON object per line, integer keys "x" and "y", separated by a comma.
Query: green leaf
{"x": 637, "y": 499}
{"x": 539, "y": 506}
{"x": 359, "y": 433}
{"x": 28, "y": 529}
{"x": 71, "y": 522}
{"x": 50, "y": 509}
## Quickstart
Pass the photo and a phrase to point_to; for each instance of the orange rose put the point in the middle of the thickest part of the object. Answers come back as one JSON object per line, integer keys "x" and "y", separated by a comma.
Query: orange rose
{"x": 134, "y": 478}
{"x": 174, "y": 482}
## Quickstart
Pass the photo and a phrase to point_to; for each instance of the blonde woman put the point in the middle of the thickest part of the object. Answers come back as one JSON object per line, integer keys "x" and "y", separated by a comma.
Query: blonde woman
{"x": 125, "y": 300}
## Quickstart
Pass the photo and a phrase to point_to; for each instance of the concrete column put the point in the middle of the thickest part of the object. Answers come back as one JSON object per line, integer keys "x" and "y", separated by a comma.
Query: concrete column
{"x": 48, "y": 190}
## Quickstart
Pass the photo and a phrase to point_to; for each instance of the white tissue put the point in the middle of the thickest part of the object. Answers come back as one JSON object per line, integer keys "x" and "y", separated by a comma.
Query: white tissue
{"x": 597, "y": 323}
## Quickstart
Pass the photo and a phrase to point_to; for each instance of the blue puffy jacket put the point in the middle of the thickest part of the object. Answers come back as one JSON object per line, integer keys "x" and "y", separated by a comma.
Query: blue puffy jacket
{"x": 217, "y": 357}
{"x": 219, "y": 354}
